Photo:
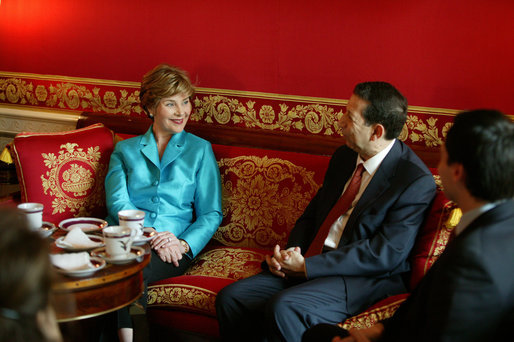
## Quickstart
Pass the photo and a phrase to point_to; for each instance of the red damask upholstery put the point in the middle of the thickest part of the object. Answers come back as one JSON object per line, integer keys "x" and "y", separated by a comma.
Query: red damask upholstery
{"x": 64, "y": 171}
{"x": 214, "y": 268}
{"x": 186, "y": 303}
{"x": 430, "y": 244}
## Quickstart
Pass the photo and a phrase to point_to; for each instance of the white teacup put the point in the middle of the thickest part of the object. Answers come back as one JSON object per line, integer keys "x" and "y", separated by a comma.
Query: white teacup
{"x": 132, "y": 218}
{"x": 118, "y": 241}
{"x": 34, "y": 213}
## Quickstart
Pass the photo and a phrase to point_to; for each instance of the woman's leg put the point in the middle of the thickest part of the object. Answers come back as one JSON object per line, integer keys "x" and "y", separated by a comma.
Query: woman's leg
{"x": 155, "y": 270}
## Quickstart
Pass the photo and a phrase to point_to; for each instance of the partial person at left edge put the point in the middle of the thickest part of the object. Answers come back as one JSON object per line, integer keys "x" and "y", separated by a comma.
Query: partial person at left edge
{"x": 25, "y": 283}
{"x": 169, "y": 174}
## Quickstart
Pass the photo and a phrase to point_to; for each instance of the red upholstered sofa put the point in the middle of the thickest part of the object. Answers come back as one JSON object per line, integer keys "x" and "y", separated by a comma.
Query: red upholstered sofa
{"x": 268, "y": 178}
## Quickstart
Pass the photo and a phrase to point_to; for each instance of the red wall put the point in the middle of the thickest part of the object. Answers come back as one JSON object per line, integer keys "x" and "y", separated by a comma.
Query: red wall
{"x": 439, "y": 53}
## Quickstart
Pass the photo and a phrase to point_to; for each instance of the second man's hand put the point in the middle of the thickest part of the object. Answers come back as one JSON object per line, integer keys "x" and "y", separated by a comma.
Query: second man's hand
{"x": 287, "y": 263}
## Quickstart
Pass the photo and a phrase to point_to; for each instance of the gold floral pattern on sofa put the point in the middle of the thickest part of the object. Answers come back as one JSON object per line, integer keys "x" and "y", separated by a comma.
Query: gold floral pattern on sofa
{"x": 262, "y": 199}
{"x": 196, "y": 290}
{"x": 227, "y": 262}
{"x": 182, "y": 296}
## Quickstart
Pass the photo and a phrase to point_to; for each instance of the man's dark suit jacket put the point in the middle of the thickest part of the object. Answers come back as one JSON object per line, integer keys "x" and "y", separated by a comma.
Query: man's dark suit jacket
{"x": 468, "y": 294}
{"x": 380, "y": 233}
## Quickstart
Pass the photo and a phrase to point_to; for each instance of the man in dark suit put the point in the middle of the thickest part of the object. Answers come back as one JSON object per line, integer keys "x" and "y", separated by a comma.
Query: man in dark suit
{"x": 337, "y": 263}
{"x": 468, "y": 294}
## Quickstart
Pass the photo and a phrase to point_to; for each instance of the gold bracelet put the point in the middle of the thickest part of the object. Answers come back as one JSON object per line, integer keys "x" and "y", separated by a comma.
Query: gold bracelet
{"x": 185, "y": 245}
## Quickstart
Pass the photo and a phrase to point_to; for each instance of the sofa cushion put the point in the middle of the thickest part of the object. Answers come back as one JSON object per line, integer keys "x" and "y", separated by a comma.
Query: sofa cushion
{"x": 215, "y": 268}
{"x": 64, "y": 171}
{"x": 264, "y": 193}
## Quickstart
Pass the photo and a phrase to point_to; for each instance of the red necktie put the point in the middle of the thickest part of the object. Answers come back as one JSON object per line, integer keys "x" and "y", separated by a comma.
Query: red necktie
{"x": 341, "y": 207}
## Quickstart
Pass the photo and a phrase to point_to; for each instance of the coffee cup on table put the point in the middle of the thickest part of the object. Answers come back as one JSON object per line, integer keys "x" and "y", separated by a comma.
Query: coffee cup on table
{"x": 118, "y": 241}
{"x": 34, "y": 214}
{"x": 132, "y": 218}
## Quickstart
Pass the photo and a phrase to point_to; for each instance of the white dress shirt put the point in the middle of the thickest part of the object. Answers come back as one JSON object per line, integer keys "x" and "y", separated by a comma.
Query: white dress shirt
{"x": 370, "y": 167}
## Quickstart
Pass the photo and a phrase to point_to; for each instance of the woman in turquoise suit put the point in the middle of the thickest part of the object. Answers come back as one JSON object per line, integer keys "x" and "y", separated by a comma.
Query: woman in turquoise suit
{"x": 171, "y": 175}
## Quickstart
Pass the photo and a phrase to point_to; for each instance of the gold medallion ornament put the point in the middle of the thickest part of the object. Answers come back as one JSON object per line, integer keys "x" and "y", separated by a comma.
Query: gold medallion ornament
{"x": 72, "y": 179}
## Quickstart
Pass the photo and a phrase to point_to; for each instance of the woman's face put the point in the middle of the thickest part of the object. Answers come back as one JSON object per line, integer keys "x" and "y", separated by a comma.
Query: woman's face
{"x": 171, "y": 114}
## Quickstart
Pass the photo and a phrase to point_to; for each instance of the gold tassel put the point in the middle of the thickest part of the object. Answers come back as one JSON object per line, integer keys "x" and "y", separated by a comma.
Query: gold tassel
{"x": 6, "y": 156}
{"x": 454, "y": 218}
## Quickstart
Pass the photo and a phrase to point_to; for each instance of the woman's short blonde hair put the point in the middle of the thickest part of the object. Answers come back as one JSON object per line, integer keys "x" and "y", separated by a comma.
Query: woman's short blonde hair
{"x": 161, "y": 82}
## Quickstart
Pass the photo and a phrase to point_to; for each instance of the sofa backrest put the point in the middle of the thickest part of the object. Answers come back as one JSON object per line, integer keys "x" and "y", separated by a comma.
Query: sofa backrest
{"x": 281, "y": 139}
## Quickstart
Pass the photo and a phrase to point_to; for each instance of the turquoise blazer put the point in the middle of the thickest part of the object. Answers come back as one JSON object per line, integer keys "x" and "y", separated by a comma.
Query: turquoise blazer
{"x": 180, "y": 193}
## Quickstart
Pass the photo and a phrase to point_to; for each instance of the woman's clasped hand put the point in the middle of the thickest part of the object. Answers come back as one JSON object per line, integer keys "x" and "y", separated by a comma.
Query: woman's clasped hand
{"x": 168, "y": 247}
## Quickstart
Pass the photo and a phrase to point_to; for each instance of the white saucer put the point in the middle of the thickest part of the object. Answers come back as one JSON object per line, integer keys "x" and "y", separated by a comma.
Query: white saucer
{"x": 95, "y": 238}
{"x": 136, "y": 253}
{"x": 98, "y": 264}
{"x": 148, "y": 234}
{"x": 87, "y": 224}
{"x": 47, "y": 229}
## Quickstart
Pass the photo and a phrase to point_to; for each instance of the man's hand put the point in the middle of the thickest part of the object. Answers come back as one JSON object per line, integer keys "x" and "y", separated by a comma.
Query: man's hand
{"x": 293, "y": 263}
{"x": 274, "y": 262}
{"x": 168, "y": 247}
{"x": 288, "y": 262}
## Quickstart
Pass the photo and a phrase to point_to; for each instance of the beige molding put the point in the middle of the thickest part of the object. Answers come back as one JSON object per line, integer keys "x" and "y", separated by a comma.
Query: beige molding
{"x": 16, "y": 120}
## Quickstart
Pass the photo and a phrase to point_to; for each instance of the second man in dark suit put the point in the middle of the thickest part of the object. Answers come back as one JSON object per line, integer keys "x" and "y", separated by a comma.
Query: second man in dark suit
{"x": 468, "y": 294}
